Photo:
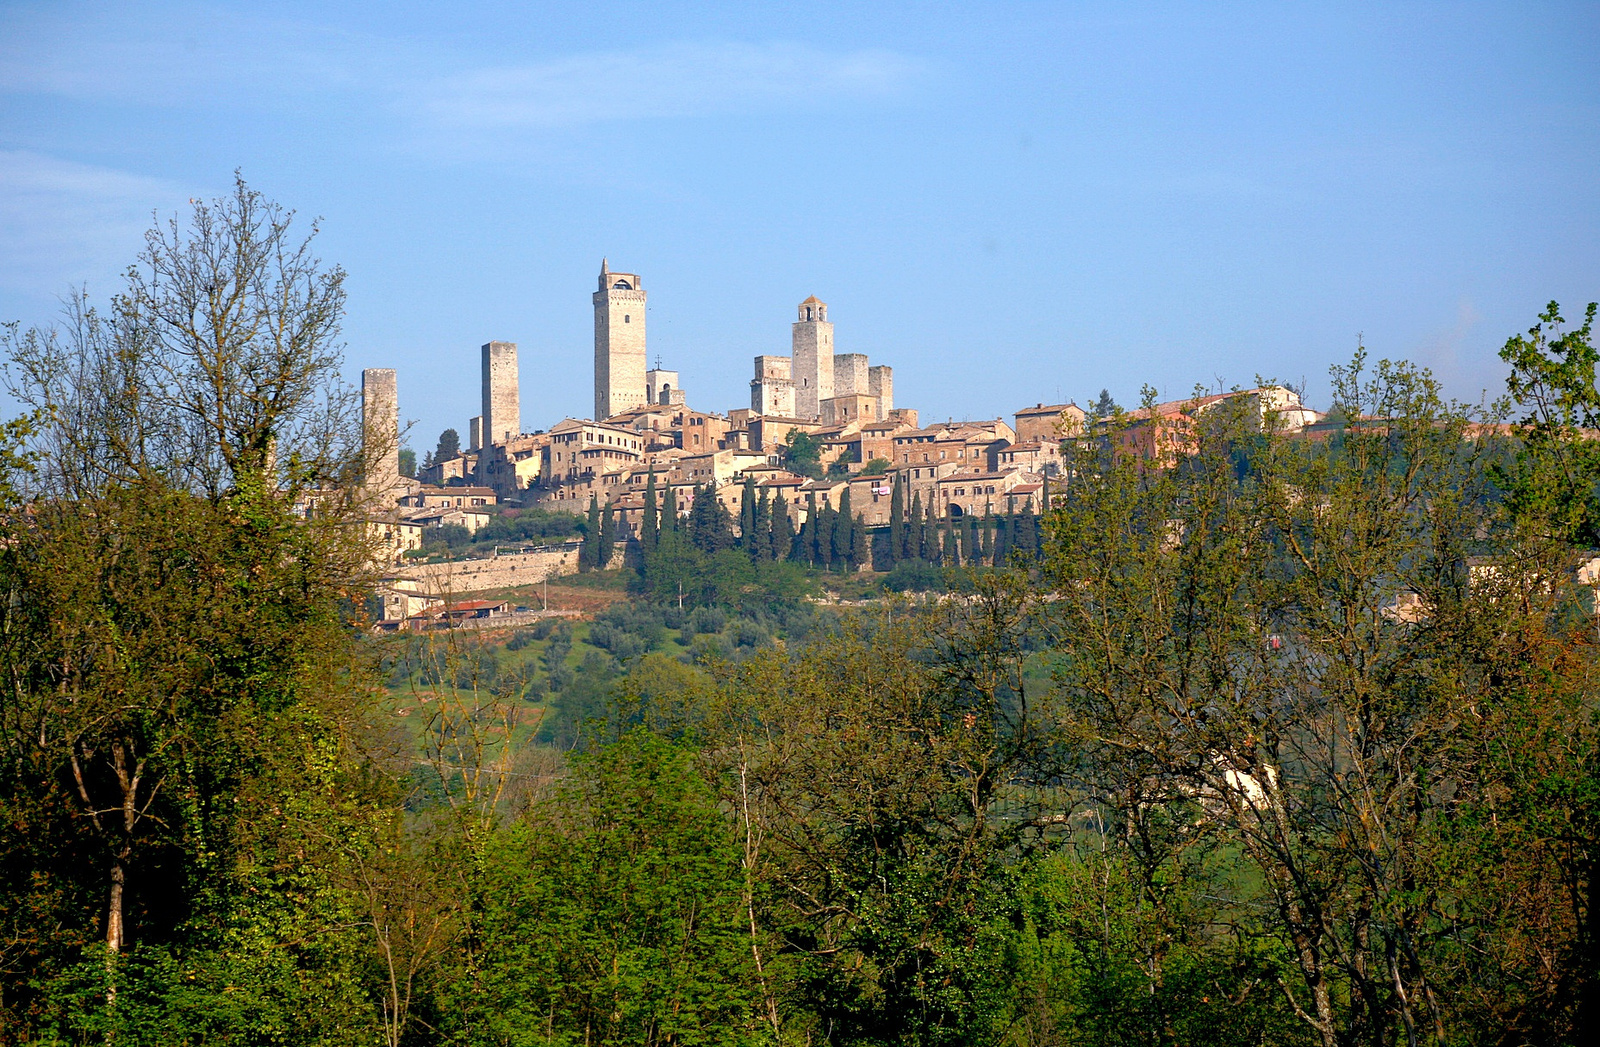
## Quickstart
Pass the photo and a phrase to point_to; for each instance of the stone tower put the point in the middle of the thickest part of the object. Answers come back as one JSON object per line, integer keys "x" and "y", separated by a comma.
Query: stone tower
{"x": 772, "y": 389}
{"x": 502, "y": 409}
{"x": 619, "y": 351}
{"x": 880, "y": 383}
{"x": 812, "y": 356}
{"x": 380, "y": 433}
{"x": 849, "y": 374}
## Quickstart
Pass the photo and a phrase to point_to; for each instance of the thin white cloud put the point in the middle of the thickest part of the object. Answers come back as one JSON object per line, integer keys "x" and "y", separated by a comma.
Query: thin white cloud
{"x": 184, "y": 56}
{"x": 204, "y": 56}
{"x": 689, "y": 79}
{"x": 62, "y": 222}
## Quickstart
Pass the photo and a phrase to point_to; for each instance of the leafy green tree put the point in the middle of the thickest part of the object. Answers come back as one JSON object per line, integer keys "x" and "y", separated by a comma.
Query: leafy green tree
{"x": 1287, "y": 660}
{"x": 802, "y": 454}
{"x": 173, "y": 631}
{"x": 1555, "y": 480}
{"x": 614, "y": 914}
{"x": 408, "y": 462}
{"x": 449, "y": 446}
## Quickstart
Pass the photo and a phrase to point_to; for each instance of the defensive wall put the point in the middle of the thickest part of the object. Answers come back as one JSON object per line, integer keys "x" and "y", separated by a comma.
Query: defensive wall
{"x": 458, "y": 577}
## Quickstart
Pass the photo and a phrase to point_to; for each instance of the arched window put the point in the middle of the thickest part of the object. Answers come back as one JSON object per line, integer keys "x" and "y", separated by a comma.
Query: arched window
{"x": 622, "y": 285}
{"x": 810, "y": 313}
{"x": 627, "y": 319}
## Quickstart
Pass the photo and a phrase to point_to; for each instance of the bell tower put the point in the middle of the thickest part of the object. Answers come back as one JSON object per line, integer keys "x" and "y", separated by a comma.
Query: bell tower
{"x": 619, "y": 349}
{"x": 812, "y": 353}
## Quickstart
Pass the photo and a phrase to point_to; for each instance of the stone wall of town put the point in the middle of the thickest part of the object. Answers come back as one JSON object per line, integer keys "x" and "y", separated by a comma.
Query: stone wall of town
{"x": 458, "y": 577}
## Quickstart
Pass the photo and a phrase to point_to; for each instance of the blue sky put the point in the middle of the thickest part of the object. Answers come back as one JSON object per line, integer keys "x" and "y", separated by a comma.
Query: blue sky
{"x": 1008, "y": 203}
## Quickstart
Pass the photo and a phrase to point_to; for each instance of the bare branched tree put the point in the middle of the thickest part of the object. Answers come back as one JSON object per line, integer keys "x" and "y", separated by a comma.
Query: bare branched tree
{"x": 218, "y": 362}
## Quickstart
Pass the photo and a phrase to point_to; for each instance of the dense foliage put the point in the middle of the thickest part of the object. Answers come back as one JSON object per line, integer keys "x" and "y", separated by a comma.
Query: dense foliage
{"x": 1292, "y": 741}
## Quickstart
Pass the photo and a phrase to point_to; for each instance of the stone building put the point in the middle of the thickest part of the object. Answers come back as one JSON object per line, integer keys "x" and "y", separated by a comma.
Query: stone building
{"x": 1048, "y": 422}
{"x": 380, "y": 433}
{"x": 502, "y": 408}
{"x": 811, "y": 356}
{"x": 512, "y": 466}
{"x": 619, "y": 343}
{"x": 580, "y": 448}
{"x": 851, "y": 407}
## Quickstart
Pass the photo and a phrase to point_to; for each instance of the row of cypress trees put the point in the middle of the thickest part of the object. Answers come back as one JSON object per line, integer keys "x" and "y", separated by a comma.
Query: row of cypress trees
{"x": 916, "y": 533}
{"x": 599, "y": 537}
{"x": 832, "y": 538}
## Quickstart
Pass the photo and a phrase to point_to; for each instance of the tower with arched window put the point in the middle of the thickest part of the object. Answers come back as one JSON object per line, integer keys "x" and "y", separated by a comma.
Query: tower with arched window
{"x": 619, "y": 349}
{"x": 812, "y": 353}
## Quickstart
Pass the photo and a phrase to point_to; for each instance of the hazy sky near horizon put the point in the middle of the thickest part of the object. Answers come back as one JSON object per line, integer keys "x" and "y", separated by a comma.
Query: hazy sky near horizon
{"x": 1008, "y": 203}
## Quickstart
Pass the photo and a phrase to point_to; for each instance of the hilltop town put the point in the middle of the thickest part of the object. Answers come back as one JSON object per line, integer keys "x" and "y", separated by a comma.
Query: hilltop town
{"x": 822, "y": 431}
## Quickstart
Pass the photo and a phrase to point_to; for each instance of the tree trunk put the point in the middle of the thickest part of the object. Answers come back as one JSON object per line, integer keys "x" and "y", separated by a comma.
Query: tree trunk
{"x": 115, "y": 937}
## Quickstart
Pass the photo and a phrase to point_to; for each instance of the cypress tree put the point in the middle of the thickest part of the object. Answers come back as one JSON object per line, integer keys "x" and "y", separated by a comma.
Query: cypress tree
{"x": 897, "y": 525}
{"x": 860, "y": 544}
{"x": 608, "y": 535}
{"x": 808, "y": 531}
{"x": 695, "y": 528}
{"x": 843, "y": 531}
{"x": 986, "y": 535}
{"x": 719, "y": 522}
{"x": 1003, "y": 536}
{"x": 759, "y": 543}
{"x": 782, "y": 530}
{"x": 649, "y": 527}
{"x": 1027, "y": 536}
{"x": 931, "y": 549}
{"x": 747, "y": 516}
{"x": 589, "y": 551}
{"x": 669, "y": 511}
{"x": 970, "y": 552}
{"x": 914, "y": 525}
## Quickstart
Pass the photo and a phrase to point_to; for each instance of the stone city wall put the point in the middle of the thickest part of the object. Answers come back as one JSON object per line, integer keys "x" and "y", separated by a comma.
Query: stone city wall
{"x": 458, "y": 577}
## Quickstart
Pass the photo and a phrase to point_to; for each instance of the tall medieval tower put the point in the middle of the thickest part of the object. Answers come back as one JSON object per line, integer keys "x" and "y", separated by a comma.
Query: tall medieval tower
{"x": 502, "y": 408}
{"x": 380, "y": 434}
{"x": 619, "y": 353}
{"x": 812, "y": 353}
